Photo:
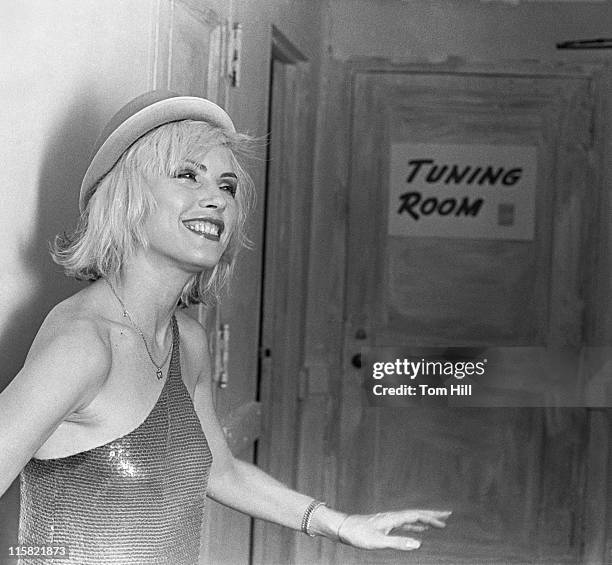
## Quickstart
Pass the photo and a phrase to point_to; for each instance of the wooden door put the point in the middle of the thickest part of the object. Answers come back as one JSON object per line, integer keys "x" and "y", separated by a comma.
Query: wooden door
{"x": 191, "y": 59}
{"x": 514, "y": 476}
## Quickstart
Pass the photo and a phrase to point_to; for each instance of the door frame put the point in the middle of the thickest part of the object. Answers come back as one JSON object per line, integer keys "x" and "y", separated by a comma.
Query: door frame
{"x": 285, "y": 265}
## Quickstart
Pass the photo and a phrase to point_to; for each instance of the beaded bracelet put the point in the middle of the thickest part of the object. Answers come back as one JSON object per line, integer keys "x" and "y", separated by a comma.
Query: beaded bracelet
{"x": 308, "y": 516}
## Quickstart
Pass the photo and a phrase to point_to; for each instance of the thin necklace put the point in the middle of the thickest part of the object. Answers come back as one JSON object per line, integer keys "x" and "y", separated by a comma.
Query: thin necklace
{"x": 126, "y": 314}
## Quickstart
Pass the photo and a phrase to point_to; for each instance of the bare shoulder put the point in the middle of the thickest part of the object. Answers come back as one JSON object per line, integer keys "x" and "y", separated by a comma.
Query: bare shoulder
{"x": 67, "y": 365}
{"x": 194, "y": 349}
{"x": 72, "y": 346}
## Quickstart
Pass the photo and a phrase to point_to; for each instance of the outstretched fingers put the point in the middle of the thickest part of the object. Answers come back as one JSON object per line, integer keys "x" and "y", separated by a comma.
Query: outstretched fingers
{"x": 409, "y": 519}
{"x": 413, "y": 528}
{"x": 434, "y": 517}
{"x": 374, "y": 531}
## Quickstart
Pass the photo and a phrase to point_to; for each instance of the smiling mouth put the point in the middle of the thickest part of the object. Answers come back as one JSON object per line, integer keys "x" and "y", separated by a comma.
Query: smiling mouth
{"x": 208, "y": 228}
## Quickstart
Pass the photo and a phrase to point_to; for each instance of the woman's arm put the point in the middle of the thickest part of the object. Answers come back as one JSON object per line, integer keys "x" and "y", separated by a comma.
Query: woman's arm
{"x": 246, "y": 488}
{"x": 63, "y": 372}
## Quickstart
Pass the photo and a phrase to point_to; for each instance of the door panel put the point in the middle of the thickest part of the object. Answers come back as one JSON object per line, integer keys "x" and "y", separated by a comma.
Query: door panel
{"x": 513, "y": 476}
{"x": 512, "y": 483}
{"x": 482, "y": 284}
{"x": 191, "y": 50}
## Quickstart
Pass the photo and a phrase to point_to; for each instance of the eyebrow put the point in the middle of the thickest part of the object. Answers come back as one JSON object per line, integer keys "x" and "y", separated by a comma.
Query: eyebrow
{"x": 204, "y": 168}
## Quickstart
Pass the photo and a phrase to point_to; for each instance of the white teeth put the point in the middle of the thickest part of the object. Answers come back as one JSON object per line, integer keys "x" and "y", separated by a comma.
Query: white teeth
{"x": 202, "y": 227}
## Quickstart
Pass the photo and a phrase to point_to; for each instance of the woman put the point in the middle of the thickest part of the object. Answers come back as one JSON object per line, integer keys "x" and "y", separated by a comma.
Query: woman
{"x": 116, "y": 458}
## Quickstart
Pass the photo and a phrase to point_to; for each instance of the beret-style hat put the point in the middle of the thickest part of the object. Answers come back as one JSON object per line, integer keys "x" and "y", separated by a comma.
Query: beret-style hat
{"x": 138, "y": 117}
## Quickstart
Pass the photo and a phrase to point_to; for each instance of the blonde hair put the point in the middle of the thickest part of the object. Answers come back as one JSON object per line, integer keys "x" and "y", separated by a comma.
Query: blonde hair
{"x": 110, "y": 228}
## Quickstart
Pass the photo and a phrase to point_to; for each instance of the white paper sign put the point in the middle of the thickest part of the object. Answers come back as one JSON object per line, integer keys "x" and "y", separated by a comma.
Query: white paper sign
{"x": 462, "y": 191}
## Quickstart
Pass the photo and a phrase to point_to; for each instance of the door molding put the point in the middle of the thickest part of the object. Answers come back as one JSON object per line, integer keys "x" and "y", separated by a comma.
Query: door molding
{"x": 285, "y": 248}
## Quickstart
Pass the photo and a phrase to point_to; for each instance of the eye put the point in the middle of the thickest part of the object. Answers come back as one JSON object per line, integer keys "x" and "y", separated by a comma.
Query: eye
{"x": 186, "y": 174}
{"x": 229, "y": 187}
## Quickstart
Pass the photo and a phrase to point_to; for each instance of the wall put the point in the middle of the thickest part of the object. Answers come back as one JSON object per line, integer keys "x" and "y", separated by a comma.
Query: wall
{"x": 470, "y": 29}
{"x": 66, "y": 67}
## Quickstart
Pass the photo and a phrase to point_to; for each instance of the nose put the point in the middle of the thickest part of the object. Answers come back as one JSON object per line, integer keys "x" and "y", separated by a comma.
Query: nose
{"x": 212, "y": 197}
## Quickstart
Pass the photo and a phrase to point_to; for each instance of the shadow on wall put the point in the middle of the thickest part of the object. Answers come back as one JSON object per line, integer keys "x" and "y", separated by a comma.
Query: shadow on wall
{"x": 62, "y": 168}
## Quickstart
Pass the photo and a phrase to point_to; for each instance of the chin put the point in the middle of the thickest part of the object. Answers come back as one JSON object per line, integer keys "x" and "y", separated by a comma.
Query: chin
{"x": 204, "y": 264}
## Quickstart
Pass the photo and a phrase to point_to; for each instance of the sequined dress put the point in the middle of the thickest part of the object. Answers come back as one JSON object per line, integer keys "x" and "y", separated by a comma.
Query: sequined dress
{"x": 137, "y": 500}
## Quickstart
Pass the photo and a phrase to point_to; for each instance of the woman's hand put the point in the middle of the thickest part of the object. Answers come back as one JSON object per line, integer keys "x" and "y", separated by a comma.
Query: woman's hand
{"x": 372, "y": 531}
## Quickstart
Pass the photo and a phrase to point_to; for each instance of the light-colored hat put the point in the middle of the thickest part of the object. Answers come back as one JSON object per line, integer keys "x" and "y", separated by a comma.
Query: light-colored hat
{"x": 138, "y": 117}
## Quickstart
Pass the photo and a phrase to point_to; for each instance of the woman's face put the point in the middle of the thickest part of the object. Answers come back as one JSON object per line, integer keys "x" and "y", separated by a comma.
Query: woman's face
{"x": 196, "y": 212}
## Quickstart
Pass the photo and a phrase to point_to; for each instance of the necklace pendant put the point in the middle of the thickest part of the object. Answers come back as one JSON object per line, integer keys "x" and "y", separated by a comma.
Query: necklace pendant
{"x": 127, "y": 315}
